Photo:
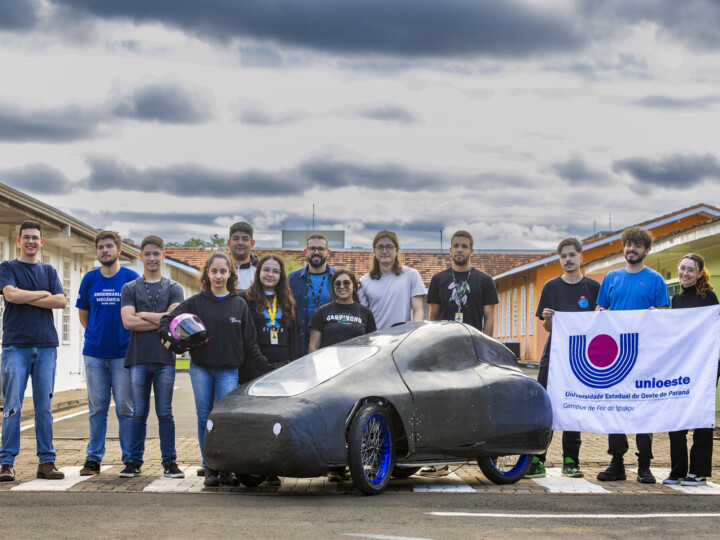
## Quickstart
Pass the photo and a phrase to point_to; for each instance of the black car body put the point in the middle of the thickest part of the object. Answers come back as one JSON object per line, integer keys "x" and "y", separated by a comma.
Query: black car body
{"x": 449, "y": 394}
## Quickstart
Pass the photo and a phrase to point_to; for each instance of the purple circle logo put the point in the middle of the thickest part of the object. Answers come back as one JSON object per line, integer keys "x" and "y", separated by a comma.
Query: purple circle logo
{"x": 602, "y": 351}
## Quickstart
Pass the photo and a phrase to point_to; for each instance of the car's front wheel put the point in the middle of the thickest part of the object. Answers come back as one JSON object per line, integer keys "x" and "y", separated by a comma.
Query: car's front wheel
{"x": 250, "y": 480}
{"x": 370, "y": 449}
{"x": 504, "y": 469}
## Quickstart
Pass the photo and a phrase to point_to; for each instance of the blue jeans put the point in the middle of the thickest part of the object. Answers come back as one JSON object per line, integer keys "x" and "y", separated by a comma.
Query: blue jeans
{"x": 106, "y": 376}
{"x": 17, "y": 365}
{"x": 208, "y": 386}
{"x": 161, "y": 379}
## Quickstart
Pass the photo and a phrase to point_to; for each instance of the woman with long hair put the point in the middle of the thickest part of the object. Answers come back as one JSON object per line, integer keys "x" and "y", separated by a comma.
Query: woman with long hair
{"x": 343, "y": 318}
{"x": 231, "y": 344}
{"x": 273, "y": 312}
{"x": 696, "y": 292}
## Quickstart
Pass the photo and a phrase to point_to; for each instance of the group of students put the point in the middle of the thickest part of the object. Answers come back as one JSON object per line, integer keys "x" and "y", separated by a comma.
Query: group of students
{"x": 260, "y": 318}
{"x": 633, "y": 287}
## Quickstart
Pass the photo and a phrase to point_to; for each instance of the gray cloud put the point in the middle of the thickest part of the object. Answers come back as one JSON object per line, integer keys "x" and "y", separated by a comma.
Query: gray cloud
{"x": 166, "y": 103}
{"x": 576, "y": 171}
{"x": 673, "y": 103}
{"x": 39, "y": 179}
{"x": 388, "y": 113}
{"x": 626, "y": 64}
{"x": 672, "y": 171}
{"x": 61, "y": 124}
{"x": 17, "y": 15}
{"x": 412, "y": 28}
{"x": 257, "y": 114}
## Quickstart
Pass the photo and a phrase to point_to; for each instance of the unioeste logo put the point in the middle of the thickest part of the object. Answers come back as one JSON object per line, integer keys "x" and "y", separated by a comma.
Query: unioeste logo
{"x": 603, "y": 363}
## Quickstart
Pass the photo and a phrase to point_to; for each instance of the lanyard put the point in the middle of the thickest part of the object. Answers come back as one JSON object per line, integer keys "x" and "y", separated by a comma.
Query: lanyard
{"x": 459, "y": 295}
{"x": 153, "y": 303}
{"x": 273, "y": 311}
{"x": 316, "y": 299}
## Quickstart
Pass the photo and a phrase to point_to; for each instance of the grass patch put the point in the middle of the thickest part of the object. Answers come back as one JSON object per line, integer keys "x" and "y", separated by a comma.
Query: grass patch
{"x": 182, "y": 362}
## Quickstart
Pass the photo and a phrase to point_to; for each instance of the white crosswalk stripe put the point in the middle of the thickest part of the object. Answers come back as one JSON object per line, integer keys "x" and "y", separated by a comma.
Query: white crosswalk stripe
{"x": 72, "y": 477}
{"x": 190, "y": 484}
{"x": 554, "y": 482}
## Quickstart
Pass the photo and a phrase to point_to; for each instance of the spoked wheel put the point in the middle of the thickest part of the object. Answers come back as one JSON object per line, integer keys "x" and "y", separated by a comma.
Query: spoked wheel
{"x": 504, "y": 469}
{"x": 370, "y": 449}
{"x": 404, "y": 472}
{"x": 250, "y": 480}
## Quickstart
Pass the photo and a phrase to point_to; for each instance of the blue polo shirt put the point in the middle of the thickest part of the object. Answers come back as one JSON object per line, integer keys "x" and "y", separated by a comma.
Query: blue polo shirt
{"x": 623, "y": 291}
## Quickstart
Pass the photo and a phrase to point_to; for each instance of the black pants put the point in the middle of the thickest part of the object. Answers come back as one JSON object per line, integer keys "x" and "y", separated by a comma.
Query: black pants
{"x": 700, "y": 453}
{"x": 618, "y": 445}
{"x": 571, "y": 440}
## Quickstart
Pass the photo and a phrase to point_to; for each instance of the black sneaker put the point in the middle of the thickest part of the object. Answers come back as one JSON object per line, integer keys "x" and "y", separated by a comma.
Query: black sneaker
{"x": 173, "y": 471}
{"x": 672, "y": 480}
{"x": 131, "y": 470}
{"x": 228, "y": 479}
{"x": 91, "y": 468}
{"x": 537, "y": 469}
{"x": 615, "y": 472}
{"x": 693, "y": 480}
{"x": 272, "y": 481}
{"x": 201, "y": 471}
{"x": 644, "y": 476}
{"x": 211, "y": 478}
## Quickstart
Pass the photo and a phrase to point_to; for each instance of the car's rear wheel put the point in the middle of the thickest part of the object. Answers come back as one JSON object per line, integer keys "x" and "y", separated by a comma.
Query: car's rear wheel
{"x": 504, "y": 469}
{"x": 250, "y": 480}
{"x": 370, "y": 449}
{"x": 404, "y": 472}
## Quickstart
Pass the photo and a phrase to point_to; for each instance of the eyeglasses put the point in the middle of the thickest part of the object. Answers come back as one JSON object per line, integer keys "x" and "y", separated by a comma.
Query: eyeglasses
{"x": 389, "y": 248}
{"x": 339, "y": 284}
{"x": 318, "y": 249}
{"x": 271, "y": 271}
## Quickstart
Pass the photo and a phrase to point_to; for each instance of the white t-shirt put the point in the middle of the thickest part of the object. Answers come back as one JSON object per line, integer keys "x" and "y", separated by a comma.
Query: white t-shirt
{"x": 389, "y": 297}
{"x": 245, "y": 277}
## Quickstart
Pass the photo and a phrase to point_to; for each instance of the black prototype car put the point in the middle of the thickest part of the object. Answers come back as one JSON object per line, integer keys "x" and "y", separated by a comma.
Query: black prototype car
{"x": 385, "y": 404}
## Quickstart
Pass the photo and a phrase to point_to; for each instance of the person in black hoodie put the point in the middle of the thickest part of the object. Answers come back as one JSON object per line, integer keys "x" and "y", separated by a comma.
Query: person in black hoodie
{"x": 696, "y": 292}
{"x": 231, "y": 344}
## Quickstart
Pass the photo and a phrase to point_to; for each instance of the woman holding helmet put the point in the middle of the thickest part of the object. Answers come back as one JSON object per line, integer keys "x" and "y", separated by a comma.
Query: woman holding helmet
{"x": 231, "y": 343}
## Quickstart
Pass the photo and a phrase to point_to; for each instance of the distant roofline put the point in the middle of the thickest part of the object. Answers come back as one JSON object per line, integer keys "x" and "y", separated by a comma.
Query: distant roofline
{"x": 657, "y": 222}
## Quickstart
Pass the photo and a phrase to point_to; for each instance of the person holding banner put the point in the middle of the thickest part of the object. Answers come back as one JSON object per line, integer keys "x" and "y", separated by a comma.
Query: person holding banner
{"x": 696, "y": 292}
{"x": 631, "y": 288}
{"x": 569, "y": 292}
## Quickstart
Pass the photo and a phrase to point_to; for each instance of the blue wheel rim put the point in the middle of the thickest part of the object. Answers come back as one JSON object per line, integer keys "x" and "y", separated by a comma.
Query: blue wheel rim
{"x": 376, "y": 449}
{"x": 509, "y": 465}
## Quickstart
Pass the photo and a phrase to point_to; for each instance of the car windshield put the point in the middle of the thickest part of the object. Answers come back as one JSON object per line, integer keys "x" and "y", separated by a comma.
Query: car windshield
{"x": 309, "y": 371}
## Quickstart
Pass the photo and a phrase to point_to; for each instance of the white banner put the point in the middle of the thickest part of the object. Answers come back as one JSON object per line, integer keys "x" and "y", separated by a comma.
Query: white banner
{"x": 643, "y": 371}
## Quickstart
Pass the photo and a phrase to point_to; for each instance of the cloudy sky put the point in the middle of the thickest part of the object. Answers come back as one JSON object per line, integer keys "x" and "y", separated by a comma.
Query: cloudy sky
{"x": 521, "y": 121}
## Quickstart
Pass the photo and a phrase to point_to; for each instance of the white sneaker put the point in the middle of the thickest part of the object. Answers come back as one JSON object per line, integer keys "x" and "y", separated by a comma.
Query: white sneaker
{"x": 435, "y": 472}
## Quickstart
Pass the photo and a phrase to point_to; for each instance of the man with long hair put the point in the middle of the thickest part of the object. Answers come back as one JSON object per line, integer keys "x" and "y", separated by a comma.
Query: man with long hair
{"x": 393, "y": 292}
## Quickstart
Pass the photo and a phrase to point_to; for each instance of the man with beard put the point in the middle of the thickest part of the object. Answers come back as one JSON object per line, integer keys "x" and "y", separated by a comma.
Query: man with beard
{"x": 632, "y": 287}
{"x": 106, "y": 342}
{"x": 311, "y": 285}
{"x": 569, "y": 292}
{"x": 463, "y": 293}
{"x": 240, "y": 244}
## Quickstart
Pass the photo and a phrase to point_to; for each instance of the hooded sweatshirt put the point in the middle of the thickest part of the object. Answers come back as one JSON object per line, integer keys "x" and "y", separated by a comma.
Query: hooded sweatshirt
{"x": 231, "y": 333}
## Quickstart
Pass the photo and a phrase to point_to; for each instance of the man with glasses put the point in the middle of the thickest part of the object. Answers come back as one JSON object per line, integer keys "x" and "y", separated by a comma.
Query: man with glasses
{"x": 31, "y": 290}
{"x": 311, "y": 285}
{"x": 393, "y": 292}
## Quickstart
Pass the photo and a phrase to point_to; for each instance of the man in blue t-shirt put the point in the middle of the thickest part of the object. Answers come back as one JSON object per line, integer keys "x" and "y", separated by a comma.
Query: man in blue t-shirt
{"x": 629, "y": 288}
{"x": 311, "y": 285}
{"x": 32, "y": 290}
{"x": 106, "y": 342}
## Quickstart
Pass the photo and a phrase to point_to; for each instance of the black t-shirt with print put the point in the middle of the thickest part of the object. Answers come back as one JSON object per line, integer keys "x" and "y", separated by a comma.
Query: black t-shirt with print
{"x": 275, "y": 354}
{"x": 561, "y": 296}
{"x": 476, "y": 289}
{"x": 339, "y": 322}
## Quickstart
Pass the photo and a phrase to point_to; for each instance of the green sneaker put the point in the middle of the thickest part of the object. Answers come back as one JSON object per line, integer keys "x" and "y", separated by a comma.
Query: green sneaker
{"x": 536, "y": 470}
{"x": 571, "y": 469}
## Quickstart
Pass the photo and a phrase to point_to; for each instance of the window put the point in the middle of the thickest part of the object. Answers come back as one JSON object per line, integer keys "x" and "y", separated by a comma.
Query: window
{"x": 66, "y": 273}
{"x": 523, "y": 311}
{"x": 507, "y": 313}
{"x": 514, "y": 313}
{"x": 531, "y": 309}
{"x": 499, "y": 315}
